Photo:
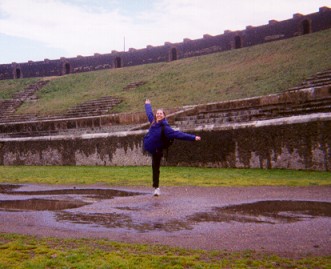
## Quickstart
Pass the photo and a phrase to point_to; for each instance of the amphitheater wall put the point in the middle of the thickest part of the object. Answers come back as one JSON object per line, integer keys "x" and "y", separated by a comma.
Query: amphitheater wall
{"x": 305, "y": 146}
{"x": 252, "y": 35}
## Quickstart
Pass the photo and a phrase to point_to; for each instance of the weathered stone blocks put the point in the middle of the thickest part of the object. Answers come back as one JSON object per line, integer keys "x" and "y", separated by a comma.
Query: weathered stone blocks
{"x": 290, "y": 146}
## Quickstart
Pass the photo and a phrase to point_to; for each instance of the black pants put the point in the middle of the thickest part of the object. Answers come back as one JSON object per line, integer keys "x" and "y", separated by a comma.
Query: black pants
{"x": 156, "y": 163}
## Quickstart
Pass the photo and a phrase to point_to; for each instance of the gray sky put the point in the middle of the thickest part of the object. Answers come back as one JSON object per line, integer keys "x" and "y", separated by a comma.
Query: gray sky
{"x": 39, "y": 29}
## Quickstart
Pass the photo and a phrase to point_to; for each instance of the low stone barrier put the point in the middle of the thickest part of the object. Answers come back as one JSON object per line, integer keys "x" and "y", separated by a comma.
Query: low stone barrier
{"x": 297, "y": 142}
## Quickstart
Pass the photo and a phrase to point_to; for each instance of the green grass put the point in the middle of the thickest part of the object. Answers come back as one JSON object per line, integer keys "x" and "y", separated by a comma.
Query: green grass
{"x": 18, "y": 251}
{"x": 170, "y": 176}
{"x": 246, "y": 72}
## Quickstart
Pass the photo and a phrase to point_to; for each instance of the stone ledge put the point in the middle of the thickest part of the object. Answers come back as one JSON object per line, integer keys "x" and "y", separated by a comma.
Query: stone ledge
{"x": 233, "y": 126}
{"x": 262, "y": 123}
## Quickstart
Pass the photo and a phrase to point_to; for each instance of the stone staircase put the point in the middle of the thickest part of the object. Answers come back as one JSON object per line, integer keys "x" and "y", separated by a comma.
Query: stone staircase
{"x": 8, "y": 107}
{"x": 92, "y": 108}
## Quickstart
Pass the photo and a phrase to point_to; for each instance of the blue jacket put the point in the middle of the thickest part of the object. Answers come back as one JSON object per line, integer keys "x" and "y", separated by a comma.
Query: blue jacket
{"x": 152, "y": 140}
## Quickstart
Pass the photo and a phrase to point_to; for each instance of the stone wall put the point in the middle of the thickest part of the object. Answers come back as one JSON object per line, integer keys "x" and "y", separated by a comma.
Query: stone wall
{"x": 304, "y": 144}
{"x": 274, "y": 30}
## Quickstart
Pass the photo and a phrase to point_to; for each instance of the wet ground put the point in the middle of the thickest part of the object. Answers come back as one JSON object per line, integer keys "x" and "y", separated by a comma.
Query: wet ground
{"x": 285, "y": 220}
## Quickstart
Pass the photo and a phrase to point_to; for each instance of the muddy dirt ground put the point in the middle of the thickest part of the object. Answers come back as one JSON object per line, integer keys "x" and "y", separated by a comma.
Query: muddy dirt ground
{"x": 291, "y": 221}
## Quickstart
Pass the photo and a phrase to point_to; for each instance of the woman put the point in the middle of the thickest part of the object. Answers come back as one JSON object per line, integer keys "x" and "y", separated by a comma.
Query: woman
{"x": 153, "y": 140}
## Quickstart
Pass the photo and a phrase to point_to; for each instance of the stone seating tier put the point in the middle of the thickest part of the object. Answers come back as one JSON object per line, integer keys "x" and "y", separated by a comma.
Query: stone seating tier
{"x": 70, "y": 131}
{"x": 91, "y": 108}
{"x": 91, "y": 124}
{"x": 246, "y": 114}
{"x": 318, "y": 80}
{"x": 312, "y": 96}
{"x": 286, "y": 104}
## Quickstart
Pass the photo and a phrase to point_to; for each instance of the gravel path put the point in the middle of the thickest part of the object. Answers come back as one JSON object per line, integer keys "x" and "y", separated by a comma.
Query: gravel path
{"x": 292, "y": 221}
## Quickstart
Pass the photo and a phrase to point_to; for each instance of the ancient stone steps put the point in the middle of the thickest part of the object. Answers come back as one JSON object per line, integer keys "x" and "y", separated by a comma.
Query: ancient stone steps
{"x": 215, "y": 111}
{"x": 8, "y": 107}
{"x": 318, "y": 80}
{"x": 251, "y": 110}
{"x": 93, "y": 107}
{"x": 71, "y": 131}
{"x": 96, "y": 107}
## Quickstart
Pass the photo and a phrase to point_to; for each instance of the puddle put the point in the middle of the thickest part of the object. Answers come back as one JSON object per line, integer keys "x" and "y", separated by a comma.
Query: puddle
{"x": 271, "y": 212}
{"x": 35, "y": 204}
{"x": 109, "y": 220}
{"x": 133, "y": 217}
{"x": 39, "y": 205}
{"x": 266, "y": 212}
{"x": 116, "y": 220}
{"x": 91, "y": 193}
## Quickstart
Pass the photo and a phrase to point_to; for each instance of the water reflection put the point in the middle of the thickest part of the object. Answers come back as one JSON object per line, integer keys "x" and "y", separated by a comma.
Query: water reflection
{"x": 39, "y": 205}
{"x": 266, "y": 212}
{"x": 142, "y": 218}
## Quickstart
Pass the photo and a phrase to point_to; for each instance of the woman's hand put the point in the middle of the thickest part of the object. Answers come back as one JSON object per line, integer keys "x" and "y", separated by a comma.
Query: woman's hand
{"x": 147, "y": 101}
{"x": 197, "y": 138}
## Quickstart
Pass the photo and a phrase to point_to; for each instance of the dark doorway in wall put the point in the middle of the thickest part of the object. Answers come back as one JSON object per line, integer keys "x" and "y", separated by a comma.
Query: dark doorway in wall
{"x": 306, "y": 27}
{"x": 18, "y": 73}
{"x": 118, "y": 62}
{"x": 67, "y": 68}
{"x": 173, "y": 54}
{"x": 237, "y": 42}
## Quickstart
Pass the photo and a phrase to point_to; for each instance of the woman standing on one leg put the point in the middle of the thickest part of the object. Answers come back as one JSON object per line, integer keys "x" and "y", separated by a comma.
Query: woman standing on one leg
{"x": 153, "y": 142}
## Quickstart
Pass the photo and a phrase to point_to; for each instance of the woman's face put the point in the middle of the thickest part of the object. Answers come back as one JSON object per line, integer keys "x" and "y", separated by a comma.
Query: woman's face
{"x": 159, "y": 115}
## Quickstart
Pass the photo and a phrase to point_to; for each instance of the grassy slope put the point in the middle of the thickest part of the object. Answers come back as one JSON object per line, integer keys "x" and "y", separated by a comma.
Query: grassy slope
{"x": 252, "y": 71}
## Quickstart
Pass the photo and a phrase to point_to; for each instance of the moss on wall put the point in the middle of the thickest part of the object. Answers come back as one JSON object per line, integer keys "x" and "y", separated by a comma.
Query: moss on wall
{"x": 296, "y": 146}
{"x": 234, "y": 148}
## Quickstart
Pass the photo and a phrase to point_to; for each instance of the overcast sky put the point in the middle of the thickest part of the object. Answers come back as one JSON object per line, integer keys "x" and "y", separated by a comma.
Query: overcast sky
{"x": 39, "y": 29}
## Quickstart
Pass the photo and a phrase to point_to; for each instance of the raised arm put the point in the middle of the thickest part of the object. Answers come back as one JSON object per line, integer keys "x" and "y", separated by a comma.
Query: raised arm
{"x": 149, "y": 111}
